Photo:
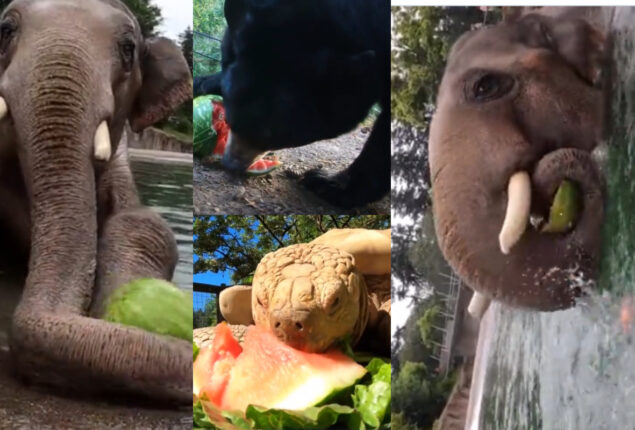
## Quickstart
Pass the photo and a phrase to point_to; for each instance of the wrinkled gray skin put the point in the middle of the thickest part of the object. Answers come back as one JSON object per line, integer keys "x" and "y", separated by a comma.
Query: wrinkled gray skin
{"x": 65, "y": 66}
{"x": 539, "y": 110}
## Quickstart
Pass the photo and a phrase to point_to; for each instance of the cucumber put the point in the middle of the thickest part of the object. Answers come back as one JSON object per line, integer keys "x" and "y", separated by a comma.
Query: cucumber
{"x": 153, "y": 305}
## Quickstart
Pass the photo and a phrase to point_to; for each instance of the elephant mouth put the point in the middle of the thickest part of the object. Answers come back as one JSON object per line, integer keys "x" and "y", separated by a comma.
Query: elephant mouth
{"x": 559, "y": 215}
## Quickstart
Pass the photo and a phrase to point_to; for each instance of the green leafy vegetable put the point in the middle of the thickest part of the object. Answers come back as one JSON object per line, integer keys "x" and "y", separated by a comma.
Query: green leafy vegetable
{"x": 373, "y": 400}
{"x": 196, "y": 349}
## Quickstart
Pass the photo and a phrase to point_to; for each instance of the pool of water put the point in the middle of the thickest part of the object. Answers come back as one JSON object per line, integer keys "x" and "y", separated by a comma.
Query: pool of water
{"x": 167, "y": 189}
{"x": 575, "y": 369}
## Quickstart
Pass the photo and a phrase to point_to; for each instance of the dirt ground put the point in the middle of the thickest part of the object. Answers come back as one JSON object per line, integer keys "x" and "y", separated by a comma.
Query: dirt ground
{"x": 217, "y": 191}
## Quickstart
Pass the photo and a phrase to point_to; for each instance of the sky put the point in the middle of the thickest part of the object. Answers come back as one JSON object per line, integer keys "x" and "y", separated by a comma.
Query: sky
{"x": 177, "y": 16}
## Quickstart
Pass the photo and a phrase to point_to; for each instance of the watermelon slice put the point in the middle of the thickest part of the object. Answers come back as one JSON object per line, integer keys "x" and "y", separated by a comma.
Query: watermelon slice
{"x": 211, "y": 370}
{"x": 211, "y": 133}
{"x": 271, "y": 374}
{"x": 264, "y": 165}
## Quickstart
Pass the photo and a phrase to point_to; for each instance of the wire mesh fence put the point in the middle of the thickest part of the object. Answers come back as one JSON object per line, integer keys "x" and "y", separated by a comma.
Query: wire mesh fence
{"x": 205, "y": 313}
{"x": 207, "y": 57}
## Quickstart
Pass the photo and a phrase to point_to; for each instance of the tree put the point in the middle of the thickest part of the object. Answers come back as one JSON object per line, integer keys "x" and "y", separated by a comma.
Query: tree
{"x": 238, "y": 243}
{"x": 420, "y": 395}
{"x": 209, "y": 23}
{"x": 422, "y": 37}
{"x": 185, "y": 40}
{"x": 206, "y": 317}
{"x": 148, "y": 15}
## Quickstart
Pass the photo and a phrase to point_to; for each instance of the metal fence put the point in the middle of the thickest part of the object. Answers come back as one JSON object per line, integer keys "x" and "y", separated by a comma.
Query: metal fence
{"x": 448, "y": 324}
{"x": 204, "y": 44}
{"x": 203, "y": 294}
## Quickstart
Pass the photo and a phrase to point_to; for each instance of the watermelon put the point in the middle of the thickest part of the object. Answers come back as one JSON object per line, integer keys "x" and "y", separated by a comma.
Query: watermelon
{"x": 204, "y": 137}
{"x": 213, "y": 364}
{"x": 153, "y": 305}
{"x": 263, "y": 166}
{"x": 271, "y": 374}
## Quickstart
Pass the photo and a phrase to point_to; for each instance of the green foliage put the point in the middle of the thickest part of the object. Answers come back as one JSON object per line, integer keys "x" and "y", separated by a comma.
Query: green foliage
{"x": 206, "y": 317}
{"x": 422, "y": 37}
{"x": 398, "y": 421}
{"x": 426, "y": 326}
{"x": 148, "y": 15}
{"x": 238, "y": 243}
{"x": 419, "y": 390}
{"x": 419, "y": 394}
{"x": 186, "y": 40}
{"x": 209, "y": 18}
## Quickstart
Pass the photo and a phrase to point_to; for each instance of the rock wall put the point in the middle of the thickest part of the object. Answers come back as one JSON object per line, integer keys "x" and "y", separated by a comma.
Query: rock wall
{"x": 152, "y": 138}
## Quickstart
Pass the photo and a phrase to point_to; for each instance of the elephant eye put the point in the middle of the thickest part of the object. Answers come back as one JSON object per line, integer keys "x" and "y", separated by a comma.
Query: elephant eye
{"x": 127, "y": 50}
{"x": 8, "y": 28}
{"x": 490, "y": 86}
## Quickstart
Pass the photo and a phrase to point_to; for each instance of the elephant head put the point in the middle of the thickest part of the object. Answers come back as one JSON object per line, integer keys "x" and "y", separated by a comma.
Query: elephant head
{"x": 518, "y": 112}
{"x": 71, "y": 74}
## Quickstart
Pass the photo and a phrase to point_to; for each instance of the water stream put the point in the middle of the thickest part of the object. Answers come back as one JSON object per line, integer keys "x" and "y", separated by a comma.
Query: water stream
{"x": 575, "y": 369}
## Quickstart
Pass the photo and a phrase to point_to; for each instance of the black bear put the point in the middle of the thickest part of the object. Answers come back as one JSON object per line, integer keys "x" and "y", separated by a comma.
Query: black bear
{"x": 299, "y": 71}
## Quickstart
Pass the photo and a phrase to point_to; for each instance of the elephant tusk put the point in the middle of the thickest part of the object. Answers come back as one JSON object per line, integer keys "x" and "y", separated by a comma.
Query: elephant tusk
{"x": 102, "y": 142}
{"x": 478, "y": 305}
{"x": 3, "y": 108}
{"x": 517, "y": 215}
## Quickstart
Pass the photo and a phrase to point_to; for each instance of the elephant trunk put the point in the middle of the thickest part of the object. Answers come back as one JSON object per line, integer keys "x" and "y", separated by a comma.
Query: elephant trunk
{"x": 56, "y": 122}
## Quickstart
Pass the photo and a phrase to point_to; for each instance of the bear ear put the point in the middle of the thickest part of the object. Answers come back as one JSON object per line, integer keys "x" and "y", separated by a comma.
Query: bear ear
{"x": 166, "y": 83}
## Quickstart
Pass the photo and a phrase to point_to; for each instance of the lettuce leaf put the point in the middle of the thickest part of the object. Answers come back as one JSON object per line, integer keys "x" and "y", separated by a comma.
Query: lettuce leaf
{"x": 373, "y": 400}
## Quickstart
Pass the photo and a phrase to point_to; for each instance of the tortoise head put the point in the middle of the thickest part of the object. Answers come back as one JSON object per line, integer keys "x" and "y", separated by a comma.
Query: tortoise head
{"x": 310, "y": 296}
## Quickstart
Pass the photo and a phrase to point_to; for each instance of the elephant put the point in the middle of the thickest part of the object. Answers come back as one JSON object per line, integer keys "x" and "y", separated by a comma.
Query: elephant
{"x": 294, "y": 73}
{"x": 72, "y": 75}
{"x": 520, "y": 109}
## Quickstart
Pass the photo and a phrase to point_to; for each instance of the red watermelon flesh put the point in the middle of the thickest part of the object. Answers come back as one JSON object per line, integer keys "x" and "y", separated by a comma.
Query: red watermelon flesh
{"x": 211, "y": 370}
{"x": 271, "y": 374}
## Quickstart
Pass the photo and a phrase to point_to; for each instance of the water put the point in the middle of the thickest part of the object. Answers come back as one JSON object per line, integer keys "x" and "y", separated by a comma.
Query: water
{"x": 575, "y": 369}
{"x": 167, "y": 189}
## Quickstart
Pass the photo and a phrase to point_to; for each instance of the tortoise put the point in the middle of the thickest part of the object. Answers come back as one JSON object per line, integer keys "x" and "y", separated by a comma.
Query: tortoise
{"x": 314, "y": 295}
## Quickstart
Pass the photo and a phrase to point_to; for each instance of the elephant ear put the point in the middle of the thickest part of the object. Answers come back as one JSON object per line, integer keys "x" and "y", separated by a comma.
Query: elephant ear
{"x": 578, "y": 42}
{"x": 166, "y": 83}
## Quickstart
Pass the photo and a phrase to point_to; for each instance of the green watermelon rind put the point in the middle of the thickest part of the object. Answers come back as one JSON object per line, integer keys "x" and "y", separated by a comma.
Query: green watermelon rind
{"x": 154, "y": 305}
{"x": 203, "y": 135}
